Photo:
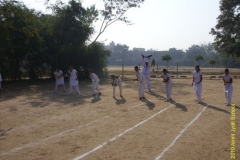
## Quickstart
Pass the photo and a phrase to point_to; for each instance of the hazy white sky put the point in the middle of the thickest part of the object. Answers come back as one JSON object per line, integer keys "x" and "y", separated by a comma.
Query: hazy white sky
{"x": 158, "y": 24}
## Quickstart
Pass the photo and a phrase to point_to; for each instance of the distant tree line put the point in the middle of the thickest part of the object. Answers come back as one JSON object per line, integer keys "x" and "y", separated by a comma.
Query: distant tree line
{"x": 204, "y": 55}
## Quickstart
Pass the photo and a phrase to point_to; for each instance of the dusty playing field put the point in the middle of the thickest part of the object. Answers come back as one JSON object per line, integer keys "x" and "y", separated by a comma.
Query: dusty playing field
{"x": 37, "y": 124}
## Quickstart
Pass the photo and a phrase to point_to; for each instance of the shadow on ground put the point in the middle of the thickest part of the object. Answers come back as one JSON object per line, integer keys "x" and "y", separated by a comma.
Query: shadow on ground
{"x": 214, "y": 107}
{"x": 120, "y": 101}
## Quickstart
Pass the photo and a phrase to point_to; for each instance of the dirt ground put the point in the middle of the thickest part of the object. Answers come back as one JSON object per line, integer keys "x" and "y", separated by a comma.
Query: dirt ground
{"x": 37, "y": 124}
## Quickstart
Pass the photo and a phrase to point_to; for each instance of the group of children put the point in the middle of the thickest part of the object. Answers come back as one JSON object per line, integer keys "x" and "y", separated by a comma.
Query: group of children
{"x": 197, "y": 84}
{"x": 227, "y": 80}
{"x": 142, "y": 76}
{"x": 73, "y": 81}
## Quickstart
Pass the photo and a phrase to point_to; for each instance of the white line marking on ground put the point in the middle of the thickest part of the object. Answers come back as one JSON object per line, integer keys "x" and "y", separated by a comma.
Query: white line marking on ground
{"x": 121, "y": 134}
{"x": 65, "y": 132}
{"x": 179, "y": 135}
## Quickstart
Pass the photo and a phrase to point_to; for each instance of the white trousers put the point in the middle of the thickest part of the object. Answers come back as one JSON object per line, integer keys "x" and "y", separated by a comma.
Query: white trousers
{"x": 147, "y": 78}
{"x": 120, "y": 89}
{"x": 198, "y": 91}
{"x": 141, "y": 89}
{"x": 94, "y": 87}
{"x": 168, "y": 88}
{"x": 56, "y": 87}
{"x": 228, "y": 94}
{"x": 75, "y": 87}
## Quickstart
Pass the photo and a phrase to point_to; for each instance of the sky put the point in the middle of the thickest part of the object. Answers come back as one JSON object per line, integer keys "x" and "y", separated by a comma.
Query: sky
{"x": 157, "y": 24}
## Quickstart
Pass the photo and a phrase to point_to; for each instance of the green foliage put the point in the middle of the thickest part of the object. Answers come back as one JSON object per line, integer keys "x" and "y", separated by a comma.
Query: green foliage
{"x": 212, "y": 62}
{"x": 226, "y": 32}
{"x": 153, "y": 63}
{"x": 166, "y": 57}
{"x": 97, "y": 57}
{"x": 20, "y": 29}
{"x": 37, "y": 43}
{"x": 70, "y": 30}
{"x": 199, "y": 57}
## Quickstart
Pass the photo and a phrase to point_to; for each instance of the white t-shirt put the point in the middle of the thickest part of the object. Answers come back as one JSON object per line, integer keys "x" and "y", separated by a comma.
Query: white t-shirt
{"x": 146, "y": 68}
{"x": 196, "y": 76}
{"x": 167, "y": 75}
{"x": 118, "y": 81}
{"x": 227, "y": 79}
{"x": 59, "y": 80}
{"x": 73, "y": 78}
{"x": 140, "y": 76}
{"x": 94, "y": 78}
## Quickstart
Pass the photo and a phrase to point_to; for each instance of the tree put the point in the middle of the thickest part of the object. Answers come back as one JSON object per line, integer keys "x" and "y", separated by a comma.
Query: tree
{"x": 167, "y": 58}
{"x": 199, "y": 57}
{"x": 71, "y": 30}
{"x": 115, "y": 11}
{"x": 121, "y": 51}
{"x": 153, "y": 64}
{"x": 19, "y": 31}
{"x": 212, "y": 62}
{"x": 98, "y": 55}
{"x": 191, "y": 53}
{"x": 227, "y": 30}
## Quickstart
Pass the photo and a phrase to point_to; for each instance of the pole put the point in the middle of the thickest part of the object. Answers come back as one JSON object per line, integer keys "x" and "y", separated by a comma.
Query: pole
{"x": 177, "y": 70}
{"x": 122, "y": 70}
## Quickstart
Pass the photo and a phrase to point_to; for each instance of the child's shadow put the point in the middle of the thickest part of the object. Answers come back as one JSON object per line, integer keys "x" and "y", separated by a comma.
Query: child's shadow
{"x": 120, "y": 101}
{"x": 150, "y": 105}
{"x": 95, "y": 99}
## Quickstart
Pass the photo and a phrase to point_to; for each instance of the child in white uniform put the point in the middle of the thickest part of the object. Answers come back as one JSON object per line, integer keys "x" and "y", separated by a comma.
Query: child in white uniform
{"x": 168, "y": 84}
{"x": 141, "y": 79}
{"x": 95, "y": 81}
{"x": 116, "y": 82}
{"x": 58, "y": 74}
{"x": 228, "y": 87}
{"x": 73, "y": 80}
{"x": 197, "y": 83}
{"x": 146, "y": 71}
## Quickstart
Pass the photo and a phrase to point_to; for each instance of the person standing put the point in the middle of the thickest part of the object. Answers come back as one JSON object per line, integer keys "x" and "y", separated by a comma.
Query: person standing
{"x": 141, "y": 79}
{"x": 73, "y": 80}
{"x": 228, "y": 87}
{"x": 58, "y": 74}
{"x": 116, "y": 81}
{"x": 197, "y": 83}
{"x": 95, "y": 81}
{"x": 146, "y": 71}
{"x": 168, "y": 84}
